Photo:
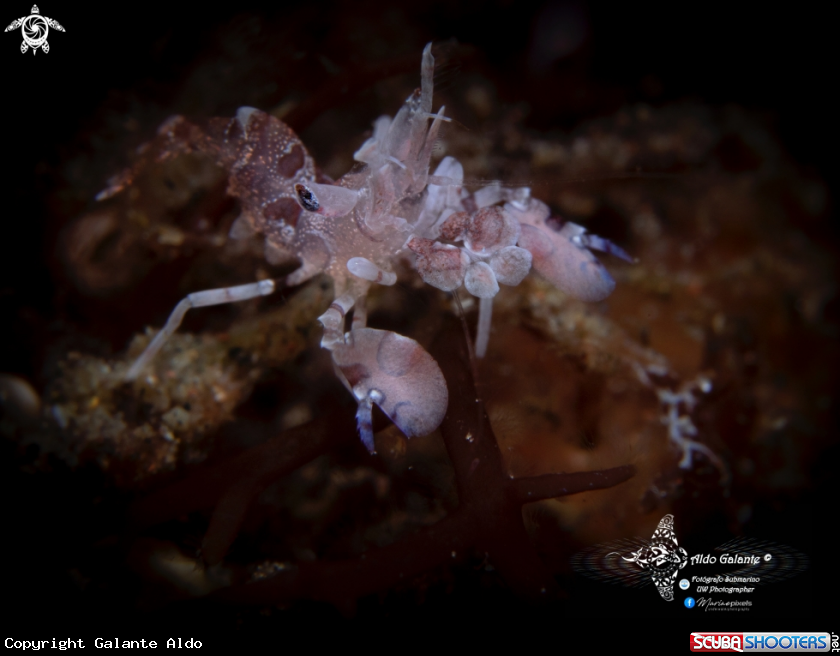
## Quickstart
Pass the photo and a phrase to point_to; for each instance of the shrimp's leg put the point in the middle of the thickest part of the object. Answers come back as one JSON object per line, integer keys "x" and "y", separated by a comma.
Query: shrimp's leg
{"x": 333, "y": 321}
{"x": 482, "y": 333}
{"x": 197, "y": 299}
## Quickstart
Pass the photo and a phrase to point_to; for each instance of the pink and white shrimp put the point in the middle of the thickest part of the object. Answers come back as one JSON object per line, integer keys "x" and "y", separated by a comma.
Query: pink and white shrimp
{"x": 356, "y": 228}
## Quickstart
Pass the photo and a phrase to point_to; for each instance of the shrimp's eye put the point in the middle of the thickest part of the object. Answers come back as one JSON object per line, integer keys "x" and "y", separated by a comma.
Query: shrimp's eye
{"x": 307, "y": 198}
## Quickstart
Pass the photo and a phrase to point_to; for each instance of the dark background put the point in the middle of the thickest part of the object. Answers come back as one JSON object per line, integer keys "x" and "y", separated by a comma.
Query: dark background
{"x": 777, "y": 60}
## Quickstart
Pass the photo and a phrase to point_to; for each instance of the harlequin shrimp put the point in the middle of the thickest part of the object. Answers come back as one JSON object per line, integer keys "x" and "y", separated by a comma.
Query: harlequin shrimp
{"x": 389, "y": 207}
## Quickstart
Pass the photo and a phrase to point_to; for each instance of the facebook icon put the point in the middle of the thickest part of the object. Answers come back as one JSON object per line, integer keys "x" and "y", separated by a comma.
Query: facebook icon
{"x": 689, "y": 602}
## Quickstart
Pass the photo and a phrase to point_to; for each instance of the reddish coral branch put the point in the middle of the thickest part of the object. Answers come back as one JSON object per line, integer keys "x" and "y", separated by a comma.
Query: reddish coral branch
{"x": 550, "y": 486}
{"x": 486, "y": 496}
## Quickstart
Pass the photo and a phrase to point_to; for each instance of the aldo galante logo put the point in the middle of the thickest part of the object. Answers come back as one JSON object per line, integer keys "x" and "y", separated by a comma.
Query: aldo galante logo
{"x": 662, "y": 557}
{"x": 637, "y": 562}
{"x": 35, "y": 29}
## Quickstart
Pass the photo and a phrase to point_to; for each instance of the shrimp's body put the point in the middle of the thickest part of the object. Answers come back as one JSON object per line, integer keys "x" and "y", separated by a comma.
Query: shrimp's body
{"x": 355, "y": 229}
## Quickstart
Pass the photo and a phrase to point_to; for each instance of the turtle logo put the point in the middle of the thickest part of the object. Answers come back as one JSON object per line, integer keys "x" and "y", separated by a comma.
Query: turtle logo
{"x": 35, "y": 29}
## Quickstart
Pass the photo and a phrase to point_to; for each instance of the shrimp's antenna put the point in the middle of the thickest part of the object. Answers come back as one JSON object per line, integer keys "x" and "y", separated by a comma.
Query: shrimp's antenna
{"x": 449, "y": 58}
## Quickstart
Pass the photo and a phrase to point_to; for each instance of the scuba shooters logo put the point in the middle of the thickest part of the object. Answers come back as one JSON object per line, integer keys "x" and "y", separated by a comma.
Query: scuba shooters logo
{"x": 763, "y": 642}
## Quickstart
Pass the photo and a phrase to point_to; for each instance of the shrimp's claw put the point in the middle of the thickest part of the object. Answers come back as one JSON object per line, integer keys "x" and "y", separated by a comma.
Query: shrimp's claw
{"x": 398, "y": 375}
{"x": 569, "y": 267}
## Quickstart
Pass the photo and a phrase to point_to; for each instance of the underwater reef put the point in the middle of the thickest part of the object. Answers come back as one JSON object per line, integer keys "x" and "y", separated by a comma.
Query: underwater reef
{"x": 229, "y": 479}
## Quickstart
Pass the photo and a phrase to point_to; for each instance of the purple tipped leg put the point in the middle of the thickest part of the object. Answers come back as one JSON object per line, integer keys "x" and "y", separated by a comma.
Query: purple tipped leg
{"x": 364, "y": 419}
